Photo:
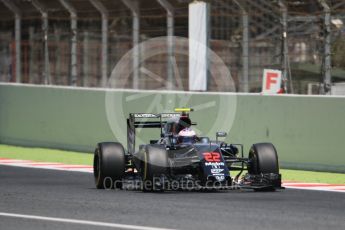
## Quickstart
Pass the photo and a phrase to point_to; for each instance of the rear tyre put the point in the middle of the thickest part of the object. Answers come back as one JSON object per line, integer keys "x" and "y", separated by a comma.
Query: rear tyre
{"x": 154, "y": 167}
{"x": 263, "y": 159}
{"x": 109, "y": 165}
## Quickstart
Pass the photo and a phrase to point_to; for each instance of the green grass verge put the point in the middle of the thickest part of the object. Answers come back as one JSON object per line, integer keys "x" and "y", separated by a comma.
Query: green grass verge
{"x": 68, "y": 157}
{"x": 311, "y": 176}
{"x": 45, "y": 155}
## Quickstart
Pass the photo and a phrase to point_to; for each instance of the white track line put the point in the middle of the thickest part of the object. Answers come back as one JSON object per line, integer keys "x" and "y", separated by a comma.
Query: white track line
{"x": 83, "y": 222}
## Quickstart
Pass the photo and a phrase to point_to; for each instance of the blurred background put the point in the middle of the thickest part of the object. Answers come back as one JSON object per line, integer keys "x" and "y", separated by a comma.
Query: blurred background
{"x": 79, "y": 42}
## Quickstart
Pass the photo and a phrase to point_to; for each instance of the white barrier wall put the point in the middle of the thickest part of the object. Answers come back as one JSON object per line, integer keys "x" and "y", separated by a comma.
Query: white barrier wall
{"x": 308, "y": 131}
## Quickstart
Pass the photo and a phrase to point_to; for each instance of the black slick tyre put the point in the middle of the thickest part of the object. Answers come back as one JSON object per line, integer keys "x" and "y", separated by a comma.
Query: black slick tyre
{"x": 154, "y": 167}
{"x": 263, "y": 159}
{"x": 109, "y": 165}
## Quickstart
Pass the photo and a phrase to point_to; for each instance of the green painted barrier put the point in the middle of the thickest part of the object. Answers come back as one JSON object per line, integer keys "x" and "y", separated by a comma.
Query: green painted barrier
{"x": 308, "y": 131}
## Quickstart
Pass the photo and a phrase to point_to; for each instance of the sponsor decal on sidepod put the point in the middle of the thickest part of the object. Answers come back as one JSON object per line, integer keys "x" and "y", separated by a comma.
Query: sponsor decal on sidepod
{"x": 216, "y": 171}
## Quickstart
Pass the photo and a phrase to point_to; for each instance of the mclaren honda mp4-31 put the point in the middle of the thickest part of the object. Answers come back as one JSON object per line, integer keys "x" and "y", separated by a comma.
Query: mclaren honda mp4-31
{"x": 179, "y": 159}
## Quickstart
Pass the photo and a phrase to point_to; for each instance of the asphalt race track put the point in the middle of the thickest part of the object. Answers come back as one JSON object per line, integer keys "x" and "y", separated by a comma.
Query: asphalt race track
{"x": 34, "y": 199}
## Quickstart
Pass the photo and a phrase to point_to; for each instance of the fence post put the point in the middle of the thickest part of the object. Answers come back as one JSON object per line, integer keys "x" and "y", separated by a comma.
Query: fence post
{"x": 73, "y": 13}
{"x": 326, "y": 62}
{"x": 86, "y": 68}
{"x": 32, "y": 54}
{"x": 245, "y": 48}
{"x": 170, "y": 40}
{"x": 285, "y": 47}
{"x": 134, "y": 7}
{"x": 45, "y": 28}
{"x": 18, "y": 20}
{"x": 105, "y": 15}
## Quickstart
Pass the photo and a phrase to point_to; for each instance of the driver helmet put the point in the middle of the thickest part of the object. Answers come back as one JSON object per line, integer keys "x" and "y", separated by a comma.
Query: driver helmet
{"x": 187, "y": 136}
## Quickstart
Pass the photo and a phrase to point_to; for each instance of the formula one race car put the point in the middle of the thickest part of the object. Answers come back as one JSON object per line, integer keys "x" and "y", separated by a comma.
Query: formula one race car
{"x": 180, "y": 159}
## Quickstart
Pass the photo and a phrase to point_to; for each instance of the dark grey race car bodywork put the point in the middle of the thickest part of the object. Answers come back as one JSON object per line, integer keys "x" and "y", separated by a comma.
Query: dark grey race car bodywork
{"x": 166, "y": 164}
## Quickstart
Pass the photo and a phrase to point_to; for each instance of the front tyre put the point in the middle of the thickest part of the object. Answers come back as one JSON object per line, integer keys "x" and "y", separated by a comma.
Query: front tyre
{"x": 109, "y": 165}
{"x": 263, "y": 159}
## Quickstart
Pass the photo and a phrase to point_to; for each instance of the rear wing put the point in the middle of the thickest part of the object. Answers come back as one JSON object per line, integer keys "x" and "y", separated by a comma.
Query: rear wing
{"x": 135, "y": 121}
